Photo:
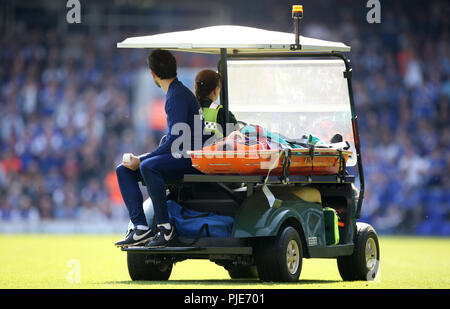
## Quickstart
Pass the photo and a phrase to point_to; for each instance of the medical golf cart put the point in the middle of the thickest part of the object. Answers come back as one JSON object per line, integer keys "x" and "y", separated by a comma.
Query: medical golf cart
{"x": 294, "y": 85}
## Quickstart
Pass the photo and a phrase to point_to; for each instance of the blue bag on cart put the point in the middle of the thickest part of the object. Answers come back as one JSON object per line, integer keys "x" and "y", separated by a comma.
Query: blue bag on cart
{"x": 192, "y": 223}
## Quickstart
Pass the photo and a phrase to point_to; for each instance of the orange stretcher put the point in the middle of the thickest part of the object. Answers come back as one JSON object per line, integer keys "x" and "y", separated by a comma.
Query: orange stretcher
{"x": 255, "y": 160}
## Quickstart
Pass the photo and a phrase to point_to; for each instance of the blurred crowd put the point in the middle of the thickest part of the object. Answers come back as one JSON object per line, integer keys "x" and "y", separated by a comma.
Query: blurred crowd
{"x": 65, "y": 119}
{"x": 65, "y": 122}
{"x": 65, "y": 116}
{"x": 402, "y": 94}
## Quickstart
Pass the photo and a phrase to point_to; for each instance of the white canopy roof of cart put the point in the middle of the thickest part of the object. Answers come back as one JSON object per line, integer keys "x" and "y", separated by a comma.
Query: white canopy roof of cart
{"x": 237, "y": 39}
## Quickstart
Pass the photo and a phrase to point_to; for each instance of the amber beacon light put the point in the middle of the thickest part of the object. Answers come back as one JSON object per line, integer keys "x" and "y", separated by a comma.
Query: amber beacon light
{"x": 297, "y": 14}
{"x": 297, "y": 11}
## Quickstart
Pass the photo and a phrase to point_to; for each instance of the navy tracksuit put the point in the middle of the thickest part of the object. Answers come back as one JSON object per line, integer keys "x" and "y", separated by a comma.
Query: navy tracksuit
{"x": 160, "y": 165}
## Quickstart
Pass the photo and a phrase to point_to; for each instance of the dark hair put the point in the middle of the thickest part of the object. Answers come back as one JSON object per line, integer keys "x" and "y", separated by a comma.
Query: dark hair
{"x": 162, "y": 63}
{"x": 205, "y": 82}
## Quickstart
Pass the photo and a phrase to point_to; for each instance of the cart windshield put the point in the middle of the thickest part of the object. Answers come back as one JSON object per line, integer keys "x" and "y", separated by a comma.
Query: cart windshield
{"x": 292, "y": 97}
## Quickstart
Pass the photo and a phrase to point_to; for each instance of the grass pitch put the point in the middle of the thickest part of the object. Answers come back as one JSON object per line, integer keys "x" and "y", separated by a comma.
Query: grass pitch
{"x": 92, "y": 262}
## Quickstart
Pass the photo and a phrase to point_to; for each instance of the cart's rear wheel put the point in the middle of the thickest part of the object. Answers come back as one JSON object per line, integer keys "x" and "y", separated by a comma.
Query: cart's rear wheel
{"x": 280, "y": 258}
{"x": 363, "y": 264}
{"x": 140, "y": 270}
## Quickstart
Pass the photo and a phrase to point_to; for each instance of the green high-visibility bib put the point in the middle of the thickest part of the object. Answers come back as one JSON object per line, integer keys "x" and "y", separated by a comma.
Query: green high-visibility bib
{"x": 210, "y": 116}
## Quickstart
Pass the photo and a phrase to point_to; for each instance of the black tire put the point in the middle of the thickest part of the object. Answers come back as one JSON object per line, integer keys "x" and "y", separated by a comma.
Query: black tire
{"x": 357, "y": 266}
{"x": 242, "y": 272}
{"x": 139, "y": 270}
{"x": 272, "y": 257}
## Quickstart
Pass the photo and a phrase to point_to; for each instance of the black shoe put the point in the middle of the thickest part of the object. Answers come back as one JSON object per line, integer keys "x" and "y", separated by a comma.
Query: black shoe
{"x": 337, "y": 138}
{"x": 135, "y": 237}
{"x": 162, "y": 238}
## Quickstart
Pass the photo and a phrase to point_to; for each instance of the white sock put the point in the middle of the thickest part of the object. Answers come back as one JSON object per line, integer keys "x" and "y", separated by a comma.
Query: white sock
{"x": 167, "y": 226}
{"x": 142, "y": 227}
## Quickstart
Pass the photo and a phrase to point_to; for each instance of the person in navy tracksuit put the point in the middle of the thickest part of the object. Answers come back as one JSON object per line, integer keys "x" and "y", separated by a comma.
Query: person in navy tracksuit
{"x": 168, "y": 161}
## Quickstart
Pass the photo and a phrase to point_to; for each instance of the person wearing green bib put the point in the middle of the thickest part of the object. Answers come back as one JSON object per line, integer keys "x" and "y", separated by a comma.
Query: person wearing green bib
{"x": 207, "y": 91}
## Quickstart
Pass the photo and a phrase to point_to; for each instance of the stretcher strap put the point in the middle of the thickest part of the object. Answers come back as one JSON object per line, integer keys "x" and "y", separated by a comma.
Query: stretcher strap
{"x": 286, "y": 164}
{"x": 274, "y": 164}
{"x": 342, "y": 164}
{"x": 311, "y": 154}
{"x": 273, "y": 201}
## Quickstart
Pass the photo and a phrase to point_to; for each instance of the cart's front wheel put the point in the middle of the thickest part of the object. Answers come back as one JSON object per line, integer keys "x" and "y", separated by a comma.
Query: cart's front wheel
{"x": 140, "y": 270}
{"x": 280, "y": 258}
{"x": 363, "y": 264}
